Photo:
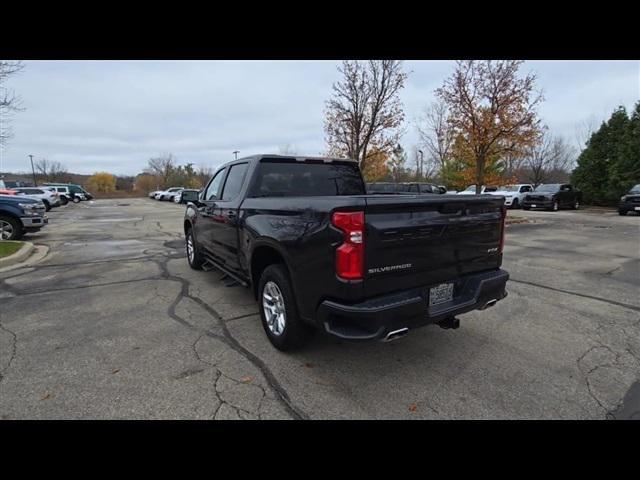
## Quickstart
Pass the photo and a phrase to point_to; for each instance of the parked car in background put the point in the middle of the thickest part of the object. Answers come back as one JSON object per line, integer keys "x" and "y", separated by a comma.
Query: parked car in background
{"x": 170, "y": 196}
{"x": 73, "y": 193}
{"x": 164, "y": 194}
{"x": 153, "y": 194}
{"x": 403, "y": 188}
{"x": 553, "y": 196}
{"x": 48, "y": 197}
{"x": 20, "y": 215}
{"x": 187, "y": 195}
{"x": 319, "y": 252}
{"x": 513, "y": 194}
{"x": 471, "y": 190}
{"x": 630, "y": 202}
{"x": 7, "y": 191}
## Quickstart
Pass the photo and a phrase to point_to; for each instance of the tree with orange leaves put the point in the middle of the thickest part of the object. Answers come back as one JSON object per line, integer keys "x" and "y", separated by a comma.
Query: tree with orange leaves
{"x": 376, "y": 166}
{"x": 492, "y": 111}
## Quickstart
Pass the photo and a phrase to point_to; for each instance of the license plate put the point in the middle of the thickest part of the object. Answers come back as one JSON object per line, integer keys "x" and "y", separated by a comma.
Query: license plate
{"x": 636, "y": 208}
{"x": 440, "y": 294}
{"x": 533, "y": 206}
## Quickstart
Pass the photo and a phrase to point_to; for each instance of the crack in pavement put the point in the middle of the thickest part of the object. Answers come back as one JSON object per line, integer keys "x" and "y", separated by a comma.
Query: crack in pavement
{"x": 612, "y": 302}
{"x": 281, "y": 394}
{"x": 13, "y": 350}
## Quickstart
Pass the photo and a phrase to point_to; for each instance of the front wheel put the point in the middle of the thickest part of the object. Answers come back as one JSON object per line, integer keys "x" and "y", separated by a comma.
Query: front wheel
{"x": 515, "y": 204}
{"x": 76, "y": 199}
{"x": 556, "y": 206}
{"x": 194, "y": 257}
{"x": 576, "y": 205}
{"x": 64, "y": 200}
{"x": 10, "y": 228}
{"x": 278, "y": 312}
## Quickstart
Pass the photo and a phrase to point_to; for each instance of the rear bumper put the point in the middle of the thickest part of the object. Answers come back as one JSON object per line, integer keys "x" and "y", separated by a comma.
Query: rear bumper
{"x": 538, "y": 203}
{"x": 373, "y": 319}
{"x": 628, "y": 207}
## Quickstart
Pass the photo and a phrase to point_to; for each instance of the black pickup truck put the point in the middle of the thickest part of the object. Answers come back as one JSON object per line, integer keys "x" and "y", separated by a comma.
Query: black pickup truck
{"x": 319, "y": 252}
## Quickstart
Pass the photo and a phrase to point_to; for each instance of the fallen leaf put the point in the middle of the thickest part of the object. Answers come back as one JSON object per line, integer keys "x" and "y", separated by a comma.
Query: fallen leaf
{"x": 116, "y": 370}
{"x": 308, "y": 365}
{"x": 413, "y": 407}
{"x": 247, "y": 379}
{"x": 46, "y": 397}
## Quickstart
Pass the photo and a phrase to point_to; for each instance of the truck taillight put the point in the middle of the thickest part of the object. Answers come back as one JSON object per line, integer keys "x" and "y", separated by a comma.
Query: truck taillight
{"x": 350, "y": 255}
{"x": 504, "y": 217}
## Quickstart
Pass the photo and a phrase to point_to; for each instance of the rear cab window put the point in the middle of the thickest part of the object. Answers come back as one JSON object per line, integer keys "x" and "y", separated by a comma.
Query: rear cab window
{"x": 292, "y": 178}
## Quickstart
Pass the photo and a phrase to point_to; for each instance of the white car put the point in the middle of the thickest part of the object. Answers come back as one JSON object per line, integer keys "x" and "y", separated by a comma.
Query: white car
{"x": 513, "y": 194}
{"x": 154, "y": 193}
{"x": 471, "y": 190}
{"x": 167, "y": 194}
{"x": 49, "y": 197}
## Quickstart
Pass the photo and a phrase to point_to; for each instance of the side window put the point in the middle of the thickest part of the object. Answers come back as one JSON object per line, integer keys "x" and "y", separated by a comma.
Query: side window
{"x": 62, "y": 189}
{"x": 234, "y": 182}
{"x": 213, "y": 190}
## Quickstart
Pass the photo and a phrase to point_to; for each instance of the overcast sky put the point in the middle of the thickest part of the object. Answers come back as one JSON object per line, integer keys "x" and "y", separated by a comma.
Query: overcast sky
{"x": 114, "y": 115}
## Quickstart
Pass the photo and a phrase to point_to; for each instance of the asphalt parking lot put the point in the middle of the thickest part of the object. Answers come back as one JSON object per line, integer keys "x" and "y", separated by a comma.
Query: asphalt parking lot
{"x": 114, "y": 324}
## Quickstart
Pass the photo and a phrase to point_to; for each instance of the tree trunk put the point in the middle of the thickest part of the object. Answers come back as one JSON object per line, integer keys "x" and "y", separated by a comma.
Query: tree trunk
{"x": 479, "y": 174}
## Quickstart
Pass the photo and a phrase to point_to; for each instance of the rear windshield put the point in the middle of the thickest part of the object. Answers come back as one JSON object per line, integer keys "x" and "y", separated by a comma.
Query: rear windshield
{"x": 283, "y": 178}
{"x": 551, "y": 187}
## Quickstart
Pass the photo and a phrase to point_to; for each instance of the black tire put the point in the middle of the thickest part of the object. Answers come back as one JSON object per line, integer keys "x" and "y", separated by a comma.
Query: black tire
{"x": 63, "y": 200}
{"x": 622, "y": 212}
{"x": 76, "y": 199}
{"x": 295, "y": 333}
{"x": 196, "y": 260}
{"x": 555, "y": 206}
{"x": 515, "y": 203}
{"x": 47, "y": 205}
{"x": 526, "y": 208}
{"x": 16, "y": 232}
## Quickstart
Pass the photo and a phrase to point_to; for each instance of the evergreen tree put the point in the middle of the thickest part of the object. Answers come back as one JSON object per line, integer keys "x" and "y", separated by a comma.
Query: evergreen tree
{"x": 624, "y": 172}
{"x": 599, "y": 157}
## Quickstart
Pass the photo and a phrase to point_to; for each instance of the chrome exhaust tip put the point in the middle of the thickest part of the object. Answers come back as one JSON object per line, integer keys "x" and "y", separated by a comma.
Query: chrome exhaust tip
{"x": 490, "y": 303}
{"x": 394, "y": 335}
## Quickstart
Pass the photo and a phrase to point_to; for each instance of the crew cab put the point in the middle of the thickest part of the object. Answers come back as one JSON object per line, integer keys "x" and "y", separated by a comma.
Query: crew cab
{"x": 20, "y": 215}
{"x": 630, "y": 202}
{"x": 553, "y": 196}
{"x": 320, "y": 253}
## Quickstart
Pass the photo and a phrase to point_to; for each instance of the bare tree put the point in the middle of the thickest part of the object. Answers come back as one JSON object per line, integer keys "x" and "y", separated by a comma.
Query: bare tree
{"x": 549, "y": 161}
{"x": 204, "y": 174}
{"x": 435, "y": 132}
{"x": 9, "y": 101}
{"x": 492, "y": 110}
{"x": 364, "y": 113}
{"x": 162, "y": 166}
{"x": 583, "y": 131}
{"x": 51, "y": 171}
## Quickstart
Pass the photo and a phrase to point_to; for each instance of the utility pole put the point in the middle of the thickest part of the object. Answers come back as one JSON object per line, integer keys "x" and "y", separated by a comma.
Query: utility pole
{"x": 35, "y": 183}
{"x": 236, "y": 153}
{"x": 421, "y": 162}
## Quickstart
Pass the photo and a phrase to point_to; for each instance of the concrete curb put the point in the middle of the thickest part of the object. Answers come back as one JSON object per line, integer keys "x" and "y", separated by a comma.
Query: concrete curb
{"x": 19, "y": 256}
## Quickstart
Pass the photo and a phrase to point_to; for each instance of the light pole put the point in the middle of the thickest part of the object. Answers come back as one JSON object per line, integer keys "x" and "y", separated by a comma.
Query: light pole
{"x": 421, "y": 162}
{"x": 236, "y": 153}
{"x": 35, "y": 183}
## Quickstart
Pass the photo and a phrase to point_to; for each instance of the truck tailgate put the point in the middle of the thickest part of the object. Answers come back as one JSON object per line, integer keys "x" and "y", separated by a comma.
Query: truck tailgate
{"x": 414, "y": 241}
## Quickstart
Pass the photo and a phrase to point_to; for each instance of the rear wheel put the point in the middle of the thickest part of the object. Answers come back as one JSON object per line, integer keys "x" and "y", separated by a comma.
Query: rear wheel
{"x": 47, "y": 206}
{"x": 10, "y": 228}
{"x": 278, "y": 311}
{"x": 194, "y": 257}
{"x": 515, "y": 203}
{"x": 63, "y": 200}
